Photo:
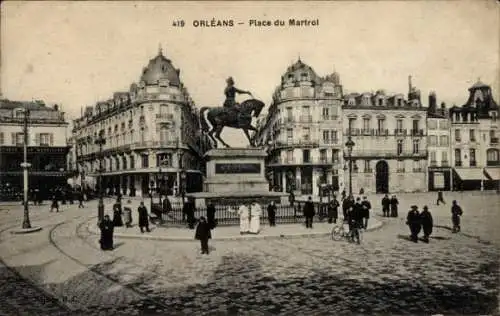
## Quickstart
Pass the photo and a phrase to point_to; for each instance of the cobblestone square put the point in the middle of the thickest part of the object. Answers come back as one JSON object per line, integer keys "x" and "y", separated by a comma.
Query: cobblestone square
{"x": 62, "y": 271}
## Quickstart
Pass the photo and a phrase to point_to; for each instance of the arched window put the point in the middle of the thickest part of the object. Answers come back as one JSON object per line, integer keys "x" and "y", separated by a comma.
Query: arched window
{"x": 492, "y": 156}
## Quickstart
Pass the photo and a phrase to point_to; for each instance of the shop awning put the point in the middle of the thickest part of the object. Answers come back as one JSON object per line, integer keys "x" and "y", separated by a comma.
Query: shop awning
{"x": 471, "y": 174}
{"x": 493, "y": 173}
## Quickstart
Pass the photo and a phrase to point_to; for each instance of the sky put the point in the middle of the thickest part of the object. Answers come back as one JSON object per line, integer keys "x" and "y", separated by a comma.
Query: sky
{"x": 78, "y": 53}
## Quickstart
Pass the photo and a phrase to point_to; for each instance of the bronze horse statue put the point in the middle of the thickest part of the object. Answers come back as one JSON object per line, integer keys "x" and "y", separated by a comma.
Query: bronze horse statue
{"x": 217, "y": 118}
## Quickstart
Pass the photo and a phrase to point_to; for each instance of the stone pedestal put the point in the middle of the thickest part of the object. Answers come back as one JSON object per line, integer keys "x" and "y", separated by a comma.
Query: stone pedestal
{"x": 233, "y": 169}
{"x": 234, "y": 175}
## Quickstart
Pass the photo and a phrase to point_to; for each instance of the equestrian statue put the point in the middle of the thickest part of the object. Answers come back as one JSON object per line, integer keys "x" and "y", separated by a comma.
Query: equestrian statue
{"x": 231, "y": 114}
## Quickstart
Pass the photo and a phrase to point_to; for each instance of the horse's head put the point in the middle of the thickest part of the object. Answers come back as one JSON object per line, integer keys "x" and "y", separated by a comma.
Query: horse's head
{"x": 253, "y": 105}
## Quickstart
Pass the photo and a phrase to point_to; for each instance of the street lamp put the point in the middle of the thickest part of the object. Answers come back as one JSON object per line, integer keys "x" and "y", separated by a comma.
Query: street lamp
{"x": 100, "y": 141}
{"x": 25, "y": 165}
{"x": 183, "y": 184}
{"x": 151, "y": 189}
{"x": 349, "y": 144}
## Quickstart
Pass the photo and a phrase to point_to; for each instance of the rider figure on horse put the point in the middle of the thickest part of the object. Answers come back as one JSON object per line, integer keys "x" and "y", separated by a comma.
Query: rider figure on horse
{"x": 230, "y": 92}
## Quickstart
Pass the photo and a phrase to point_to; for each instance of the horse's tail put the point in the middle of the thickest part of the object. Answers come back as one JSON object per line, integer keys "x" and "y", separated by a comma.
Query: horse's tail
{"x": 204, "y": 120}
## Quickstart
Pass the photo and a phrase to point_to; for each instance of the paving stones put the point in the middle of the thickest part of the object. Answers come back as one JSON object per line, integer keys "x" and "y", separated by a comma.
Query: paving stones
{"x": 383, "y": 275}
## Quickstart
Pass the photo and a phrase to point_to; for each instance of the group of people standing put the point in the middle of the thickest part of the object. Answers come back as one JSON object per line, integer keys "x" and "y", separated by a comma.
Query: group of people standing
{"x": 121, "y": 217}
{"x": 418, "y": 221}
{"x": 390, "y": 206}
{"x": 249, "y": 217}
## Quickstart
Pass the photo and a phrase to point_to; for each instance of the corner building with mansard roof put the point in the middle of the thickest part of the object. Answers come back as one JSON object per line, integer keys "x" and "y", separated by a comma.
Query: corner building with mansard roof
{"x": 151, "y": 132}
{"x": 389, "y": 133}
{"x": 474, "y": 141}
{"x": 303, "y": 131}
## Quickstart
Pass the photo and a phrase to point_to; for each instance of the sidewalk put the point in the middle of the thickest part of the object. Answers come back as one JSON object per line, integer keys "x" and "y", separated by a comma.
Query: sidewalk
{"x": 228, "y": 232}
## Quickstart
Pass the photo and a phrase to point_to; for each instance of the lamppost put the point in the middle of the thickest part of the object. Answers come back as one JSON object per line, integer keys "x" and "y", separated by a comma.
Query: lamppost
{"x": 151, "y": 189}
{"x": 349, "y": 144}
{"x": 183, "y": 184}
{"x": 100, "y": 141}
{"x": 25, "y": 165}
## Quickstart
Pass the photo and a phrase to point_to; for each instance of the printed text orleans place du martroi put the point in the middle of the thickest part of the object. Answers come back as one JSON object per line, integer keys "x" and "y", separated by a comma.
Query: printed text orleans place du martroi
{"x": 279, "y": 22}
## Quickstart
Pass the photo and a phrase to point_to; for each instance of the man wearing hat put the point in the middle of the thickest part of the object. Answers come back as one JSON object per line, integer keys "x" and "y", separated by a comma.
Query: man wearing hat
{"x": 413, "y": 220}
{"x": 426, "y": 220}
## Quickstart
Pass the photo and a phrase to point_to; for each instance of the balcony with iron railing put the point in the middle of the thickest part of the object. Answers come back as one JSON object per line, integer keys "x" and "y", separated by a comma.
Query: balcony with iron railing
{"x": 329, "y": 141}
{"x": 458, "y": 163}
{"x": 306, "y": 118}
{"x": 165, "y": 117}
{"x": 445, "y": 163}
{"x": 417, "y": 132}
{"x": 417, "y": 169}
{"x": 155, "y": 144}
{"x": 368, "y": 131}
{"x": 288, "y": 120}
{"x": 319, "y": 161}
{"x": 383, "y": 153}
{"x": 381, "y": 132}
{"x": 297, "y": 143}
{"x": 472, "y": 163}
{"x": 433, "y": 163}
{"x": 494, "y": 140}
{"x": 329, "y": 117}
{"x": 400, "y": 132}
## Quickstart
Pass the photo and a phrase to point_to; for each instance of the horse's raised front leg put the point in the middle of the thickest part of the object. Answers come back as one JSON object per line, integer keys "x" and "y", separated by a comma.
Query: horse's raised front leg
{"x": 217, "y": 135}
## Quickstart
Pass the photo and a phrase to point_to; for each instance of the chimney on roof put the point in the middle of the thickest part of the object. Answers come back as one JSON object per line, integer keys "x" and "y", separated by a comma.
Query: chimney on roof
{"x": 432, "y": 102}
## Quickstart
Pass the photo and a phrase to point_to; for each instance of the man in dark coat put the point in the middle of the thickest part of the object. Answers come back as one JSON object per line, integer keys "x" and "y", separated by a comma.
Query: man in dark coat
{"x": 358, "y": 212}
{"x": 440, "y": 198}
{"x": 271, "y": 214}
{"x": 427, "y": 223}
{"x": 117, "y": 214}
{"x": 80, "y": 198}
{"x": 333, "y": 210}
{"x": 203, "y": 234}
{"x": 366, "y": 207}
{"x": 143, "y": 219}
{"x": 211, "y": 216}
{"x": 385, "y": 205}
{"x": 346, "y": 203}
{"x": 309, "y": 212}
{"x": 456, "y": 212}
{"x": 189, "y": 209}
{"x": 352, "y": 218}
{"x": 413, "y": 221}
{"x": 394, "y": 206}
{"x": 55, "y": 203}
{"x": 106, "y": 227}
{"x": 342, "y": 197}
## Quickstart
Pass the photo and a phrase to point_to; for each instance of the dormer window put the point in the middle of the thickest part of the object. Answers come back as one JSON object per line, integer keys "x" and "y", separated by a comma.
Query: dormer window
{"x": 399, "y": 102}
{"x": 380, "y": 102}
{"x": 290, "y": 76}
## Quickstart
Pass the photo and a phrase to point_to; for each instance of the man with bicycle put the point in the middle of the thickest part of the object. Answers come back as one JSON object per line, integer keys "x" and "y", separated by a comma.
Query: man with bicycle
{"x": 354, "y": 220}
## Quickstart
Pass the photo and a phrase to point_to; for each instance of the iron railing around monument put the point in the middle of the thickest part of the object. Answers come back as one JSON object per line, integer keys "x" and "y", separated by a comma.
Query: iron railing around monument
{"x": 226, "y": 215}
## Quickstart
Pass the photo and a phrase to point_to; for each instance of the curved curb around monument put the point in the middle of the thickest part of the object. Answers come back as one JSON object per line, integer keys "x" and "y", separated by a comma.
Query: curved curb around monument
{"x": 93, "y": 230}
{"x": 21, "y": 231}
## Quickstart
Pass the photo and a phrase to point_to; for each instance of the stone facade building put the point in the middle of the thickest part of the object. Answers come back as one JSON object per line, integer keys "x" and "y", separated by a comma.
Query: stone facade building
{"x": 389, "y": 132}
{"x": 474, "y": 140}
{"x": 438, "y": 146}
{"x": 152, "y": 136}
{"x": 303, "y": 131}
{"x": 47, "y": 147}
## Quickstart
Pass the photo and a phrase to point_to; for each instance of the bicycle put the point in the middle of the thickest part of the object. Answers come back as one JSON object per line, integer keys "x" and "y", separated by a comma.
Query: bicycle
{"x": 339, "y": 232}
